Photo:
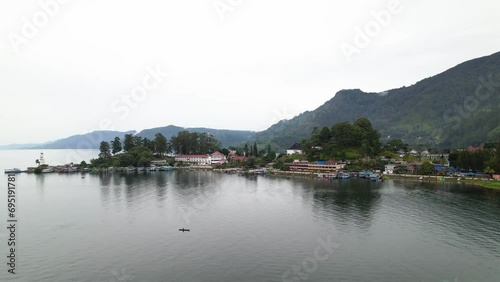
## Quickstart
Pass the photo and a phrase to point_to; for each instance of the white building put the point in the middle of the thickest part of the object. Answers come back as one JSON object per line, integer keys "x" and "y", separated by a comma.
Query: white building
{"x": 218, "y": 158}
{"x": 194, "y": 159}
{"x": 295, "y": 149}
{"x": 389, "y": 168}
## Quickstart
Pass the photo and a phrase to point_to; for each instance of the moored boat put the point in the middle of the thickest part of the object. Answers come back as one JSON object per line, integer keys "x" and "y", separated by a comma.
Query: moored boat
{"x": 12, "y": 170}
{"x": 375, "y": 177}
{"x": 165, "y": 168}
{"x": 345, "y": 175}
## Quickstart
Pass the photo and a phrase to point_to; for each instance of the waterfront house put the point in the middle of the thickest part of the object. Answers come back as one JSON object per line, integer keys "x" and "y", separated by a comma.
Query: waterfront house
{"x": 194, "y": 159}
{"x": 317, "y": 167}
{"x": 218, "y": 158}
{"x": 389, "y": 168}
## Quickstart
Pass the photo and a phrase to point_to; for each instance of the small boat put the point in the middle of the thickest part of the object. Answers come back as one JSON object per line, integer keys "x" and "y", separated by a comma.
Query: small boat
{"x": 184, "y": 230}
{"x": 48, "y": 170}
{"x": 375, "y": 177}
{"x": 165, "y": 168}
{"x": 12, "y": 170}
{"x": 345, "y": 175}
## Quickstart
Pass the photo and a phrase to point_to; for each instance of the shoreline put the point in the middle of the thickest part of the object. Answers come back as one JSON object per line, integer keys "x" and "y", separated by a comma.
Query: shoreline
{"x": 484, "y": 183}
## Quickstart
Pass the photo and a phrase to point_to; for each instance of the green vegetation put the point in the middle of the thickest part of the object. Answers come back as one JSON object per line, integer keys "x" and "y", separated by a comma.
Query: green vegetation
{"x": 194, "y": 143}
{"x": 487, "y": 160}
{"x": 427, "y": 169}
{"x": 138, "y": 152}
{"x": 116, "y": 145}
{"x": 344, "y": 141}
{"x": 443, "y": 111}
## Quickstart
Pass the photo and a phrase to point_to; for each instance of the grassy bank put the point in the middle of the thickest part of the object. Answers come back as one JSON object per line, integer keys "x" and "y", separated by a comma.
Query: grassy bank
{"x": 491, "y": 184}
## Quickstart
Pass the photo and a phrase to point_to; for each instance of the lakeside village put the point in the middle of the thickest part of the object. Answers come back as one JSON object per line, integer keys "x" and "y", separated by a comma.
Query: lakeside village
{"x": 343, "y": 151}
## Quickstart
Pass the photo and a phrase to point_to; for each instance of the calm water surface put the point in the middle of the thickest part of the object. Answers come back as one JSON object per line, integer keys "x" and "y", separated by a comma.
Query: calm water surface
{"x": 124, "y": 227}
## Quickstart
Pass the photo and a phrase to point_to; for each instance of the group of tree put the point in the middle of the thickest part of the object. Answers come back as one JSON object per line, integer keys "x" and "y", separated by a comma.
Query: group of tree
{"x": 138, "y": 151}
{"x": 343, "y": 141}
{"x": 135, "y": 151}
{"x": 486, "y": 159}
{"x": 194, "y": 143}
{"x": 252, "y": 150}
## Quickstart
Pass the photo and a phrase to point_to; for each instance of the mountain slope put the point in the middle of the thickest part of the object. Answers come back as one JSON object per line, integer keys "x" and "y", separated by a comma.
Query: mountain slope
{"x": 444, "y": 110}
{"x": 226, "y": 137}
{"x": 90, "y": 140}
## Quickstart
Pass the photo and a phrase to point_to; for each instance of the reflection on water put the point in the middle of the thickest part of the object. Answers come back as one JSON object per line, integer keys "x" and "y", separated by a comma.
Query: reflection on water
{"x": 253, "y": 228}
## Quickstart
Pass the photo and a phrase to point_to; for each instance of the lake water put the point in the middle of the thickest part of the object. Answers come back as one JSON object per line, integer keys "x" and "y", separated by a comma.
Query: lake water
{"x": 124, "y": 227}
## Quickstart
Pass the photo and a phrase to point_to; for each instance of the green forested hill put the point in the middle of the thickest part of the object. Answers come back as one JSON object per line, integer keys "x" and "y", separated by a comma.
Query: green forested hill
{"x": 225, "y": 136}
{"x": 456, "y": 108}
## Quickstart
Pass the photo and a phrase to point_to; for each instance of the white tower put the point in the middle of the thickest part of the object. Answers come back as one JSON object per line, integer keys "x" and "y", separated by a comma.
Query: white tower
{"x": 42, "y": 160}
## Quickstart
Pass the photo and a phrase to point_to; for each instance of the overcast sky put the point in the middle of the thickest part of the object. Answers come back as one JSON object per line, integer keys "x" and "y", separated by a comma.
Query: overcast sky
{"x": 73, "y": 66}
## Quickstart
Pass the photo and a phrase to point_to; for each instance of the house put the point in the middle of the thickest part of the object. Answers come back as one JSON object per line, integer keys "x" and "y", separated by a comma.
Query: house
{"x": 474, "y": 149}
{"x": 218, "y": 158}
{"x": 159, "y": 162}
{"x": 389, "y": 168}
{"x": 238, "y": 158}
{"x": 319, "y": 166}
{"x": 295, "y": 149}
{"x": 194, "y": 159}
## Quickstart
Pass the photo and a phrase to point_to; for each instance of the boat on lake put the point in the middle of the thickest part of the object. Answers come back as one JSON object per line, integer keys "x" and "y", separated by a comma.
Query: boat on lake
{"x": 165, "y": 168}
{"x": 375, "y": 177}
{"x": 345, "y": 175}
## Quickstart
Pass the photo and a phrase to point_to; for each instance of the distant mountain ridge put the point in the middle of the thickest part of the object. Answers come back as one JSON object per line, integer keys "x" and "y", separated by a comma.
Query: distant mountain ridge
{"x": 456, "y": 108}
{"x": 225, "y": 136}
{"x": 93, "y": 139}
{"x": 90, "y": 140}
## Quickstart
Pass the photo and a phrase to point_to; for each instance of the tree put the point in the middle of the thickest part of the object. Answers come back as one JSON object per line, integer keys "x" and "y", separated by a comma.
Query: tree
{"x": 128, "y": 142}
{"x": 104, "y": 150}
{"x": 270, "y": 157}
{"x": 225, "y": 151}
{"x": 160, "y": 144}
{"x": 427, "y": 169}
{"x": 370, "y": 137}
{"x": 245, "y": 150}
{"x": 116, "y": 145}
{"x": 83, "y": 164}
{"x": 37, "y": 162}
{"x": 394, "y": 145}
{"x": 148, "y": 144}
{"x": 496, "y": 159}
{"x": 194, "y": 143}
